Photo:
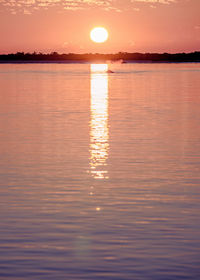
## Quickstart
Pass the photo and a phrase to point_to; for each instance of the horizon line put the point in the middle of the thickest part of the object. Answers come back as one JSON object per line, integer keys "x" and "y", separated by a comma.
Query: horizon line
{"x": 94, "y": 53}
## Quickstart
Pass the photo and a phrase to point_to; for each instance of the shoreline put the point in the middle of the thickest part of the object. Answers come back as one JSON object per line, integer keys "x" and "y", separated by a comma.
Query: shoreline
{"x": 120, "y": 57}
{"x": 92, "y": 62}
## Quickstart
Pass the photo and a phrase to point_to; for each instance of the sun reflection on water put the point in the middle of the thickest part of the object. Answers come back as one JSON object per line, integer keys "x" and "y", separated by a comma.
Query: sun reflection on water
{"x": 99, "y": 132}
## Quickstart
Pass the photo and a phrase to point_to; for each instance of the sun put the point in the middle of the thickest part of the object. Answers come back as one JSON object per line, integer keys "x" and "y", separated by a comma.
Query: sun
{"x": 99, "y": 35}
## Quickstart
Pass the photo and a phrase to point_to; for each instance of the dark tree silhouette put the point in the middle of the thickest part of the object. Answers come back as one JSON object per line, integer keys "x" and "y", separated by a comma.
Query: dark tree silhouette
{"x": 97, "y": 57}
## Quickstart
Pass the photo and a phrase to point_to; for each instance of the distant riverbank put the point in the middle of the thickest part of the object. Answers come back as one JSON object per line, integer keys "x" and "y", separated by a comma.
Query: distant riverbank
{"x": 121, "y": 57}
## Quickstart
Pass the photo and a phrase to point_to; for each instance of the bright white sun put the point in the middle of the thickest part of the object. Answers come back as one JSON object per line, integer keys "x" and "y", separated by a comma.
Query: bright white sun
{"x": 99, "y": 34}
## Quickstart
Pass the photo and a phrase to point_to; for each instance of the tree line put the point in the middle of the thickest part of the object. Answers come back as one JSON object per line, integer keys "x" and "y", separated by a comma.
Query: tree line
{"x": 97, "y": 57}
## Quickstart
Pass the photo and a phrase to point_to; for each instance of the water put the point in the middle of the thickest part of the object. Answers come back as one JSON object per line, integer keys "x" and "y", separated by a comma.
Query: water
{"x": 99, "y": 173}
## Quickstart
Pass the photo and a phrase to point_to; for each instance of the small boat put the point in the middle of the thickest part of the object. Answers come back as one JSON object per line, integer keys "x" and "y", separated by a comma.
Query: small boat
{"x": 109, "y": 71}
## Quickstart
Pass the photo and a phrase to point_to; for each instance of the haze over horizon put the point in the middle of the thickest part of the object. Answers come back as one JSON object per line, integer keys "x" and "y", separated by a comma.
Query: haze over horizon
{"x": 134, "y": 26}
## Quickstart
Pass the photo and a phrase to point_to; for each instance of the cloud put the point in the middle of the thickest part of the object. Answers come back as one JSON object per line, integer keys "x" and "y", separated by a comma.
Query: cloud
{"x": 28, "y": 6}
{"x": 156, "y": 1}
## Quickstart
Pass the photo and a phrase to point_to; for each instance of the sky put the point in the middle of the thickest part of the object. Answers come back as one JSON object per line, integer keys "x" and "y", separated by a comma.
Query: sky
{"x": 133, "y": 25}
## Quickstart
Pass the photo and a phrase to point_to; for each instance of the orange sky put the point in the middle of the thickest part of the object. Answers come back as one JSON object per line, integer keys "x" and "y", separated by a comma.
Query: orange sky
{"x": 133, "y": 25}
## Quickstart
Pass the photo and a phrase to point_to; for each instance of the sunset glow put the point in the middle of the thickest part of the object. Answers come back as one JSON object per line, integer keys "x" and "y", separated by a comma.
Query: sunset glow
{"x": 133, "y": 26}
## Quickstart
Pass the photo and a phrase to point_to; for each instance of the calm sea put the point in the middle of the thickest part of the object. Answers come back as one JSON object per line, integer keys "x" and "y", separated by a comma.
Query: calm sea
{"x": 100, "y": 172}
